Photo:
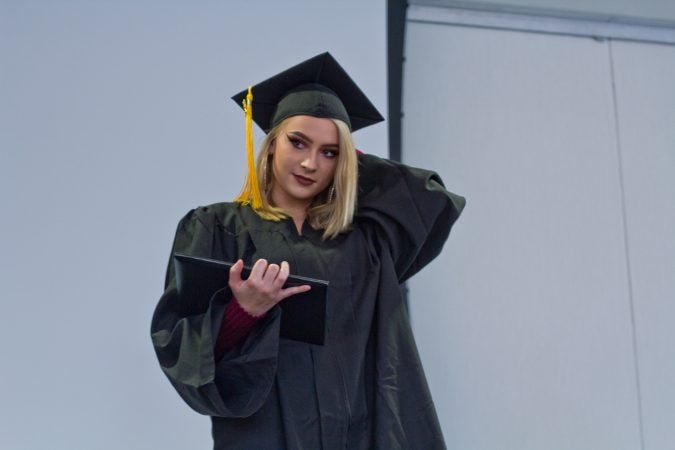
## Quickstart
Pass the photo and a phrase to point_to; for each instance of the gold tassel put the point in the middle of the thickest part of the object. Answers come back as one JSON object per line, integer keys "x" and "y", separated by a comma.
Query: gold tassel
{"x": 250, "y": 193}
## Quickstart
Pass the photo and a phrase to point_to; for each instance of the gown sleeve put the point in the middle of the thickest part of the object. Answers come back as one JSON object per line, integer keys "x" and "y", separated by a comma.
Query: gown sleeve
{"x": 412, "y": 211}
{"x": 234, "y": 386}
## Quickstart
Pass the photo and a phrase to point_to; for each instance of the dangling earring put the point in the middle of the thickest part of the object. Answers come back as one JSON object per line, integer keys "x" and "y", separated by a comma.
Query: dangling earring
{"x": 264, "y": 173}
{"x": 331, "y": 193}
{"x": 265, "y": 169}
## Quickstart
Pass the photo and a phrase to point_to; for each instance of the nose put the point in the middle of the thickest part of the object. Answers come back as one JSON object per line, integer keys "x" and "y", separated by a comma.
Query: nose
{"x": 309, "y": 163}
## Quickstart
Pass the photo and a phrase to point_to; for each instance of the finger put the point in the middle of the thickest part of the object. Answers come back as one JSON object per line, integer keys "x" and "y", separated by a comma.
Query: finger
{"x": 284, "y": 271}
{"x": 258, "y": 270}
{"x": 235, "y": 272}
{"x": 271, "y": 273}
{"x": 285, "y": 268}
{"x": 293, "y": 290}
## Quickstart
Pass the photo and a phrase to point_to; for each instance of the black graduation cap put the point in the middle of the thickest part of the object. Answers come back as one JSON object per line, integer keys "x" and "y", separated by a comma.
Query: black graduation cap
{"x": 318, "y": 87}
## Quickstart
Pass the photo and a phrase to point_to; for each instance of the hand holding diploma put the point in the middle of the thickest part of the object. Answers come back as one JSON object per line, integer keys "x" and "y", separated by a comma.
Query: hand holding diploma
{"x": 264, "y": 287}
{"x": 257, "y": 290}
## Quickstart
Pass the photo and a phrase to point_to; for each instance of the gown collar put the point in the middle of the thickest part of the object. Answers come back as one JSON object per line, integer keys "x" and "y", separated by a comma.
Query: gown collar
{"x": 285, "y": 226}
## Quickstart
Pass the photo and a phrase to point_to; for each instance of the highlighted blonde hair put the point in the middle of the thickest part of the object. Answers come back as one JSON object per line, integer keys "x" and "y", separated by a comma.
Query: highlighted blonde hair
{"x": 332, "y": 213}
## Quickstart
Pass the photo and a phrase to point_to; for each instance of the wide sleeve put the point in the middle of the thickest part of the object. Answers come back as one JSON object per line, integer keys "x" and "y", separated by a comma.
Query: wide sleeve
{"x": 238, "y": 384}
{"x": 410, "y": 211}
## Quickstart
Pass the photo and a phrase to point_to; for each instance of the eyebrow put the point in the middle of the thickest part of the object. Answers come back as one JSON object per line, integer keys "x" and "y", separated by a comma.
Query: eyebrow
{"x": 308, "y": 139}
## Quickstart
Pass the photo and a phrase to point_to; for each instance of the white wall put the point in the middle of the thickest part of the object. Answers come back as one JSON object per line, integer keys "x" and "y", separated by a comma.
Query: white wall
{"x": 659, "y": 11}
{"x": 646, "y": 117}
{"x": 115, "y": 119}
{"x": 554, "y": 330}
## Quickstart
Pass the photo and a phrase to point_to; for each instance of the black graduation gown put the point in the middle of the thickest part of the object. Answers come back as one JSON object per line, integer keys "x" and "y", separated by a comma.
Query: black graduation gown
{"x": 365, "y": 387}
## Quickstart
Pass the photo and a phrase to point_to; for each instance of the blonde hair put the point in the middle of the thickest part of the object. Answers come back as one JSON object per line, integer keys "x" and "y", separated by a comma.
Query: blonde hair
{"x": 331, "y": 212}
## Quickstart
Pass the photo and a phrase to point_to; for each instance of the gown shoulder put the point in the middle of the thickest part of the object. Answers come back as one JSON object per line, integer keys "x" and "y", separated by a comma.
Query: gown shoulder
{"x": 409, "y": 210}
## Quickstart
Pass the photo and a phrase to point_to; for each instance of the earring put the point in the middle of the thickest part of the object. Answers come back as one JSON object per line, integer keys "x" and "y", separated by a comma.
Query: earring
{"x": 265, "y": 169}
{"x": 331, "y": 193}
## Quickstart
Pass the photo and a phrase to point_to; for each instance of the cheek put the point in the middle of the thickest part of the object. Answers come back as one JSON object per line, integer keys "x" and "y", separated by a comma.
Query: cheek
{"x": 278, "y": 160}
{"x": 333, "y": 165}
{"x": 330, "y": 172}
{"x": 283, "y": 157}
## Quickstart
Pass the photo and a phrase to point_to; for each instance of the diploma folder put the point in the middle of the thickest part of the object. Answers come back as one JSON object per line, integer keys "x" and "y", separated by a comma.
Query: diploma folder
{"x": 303, "y": 316}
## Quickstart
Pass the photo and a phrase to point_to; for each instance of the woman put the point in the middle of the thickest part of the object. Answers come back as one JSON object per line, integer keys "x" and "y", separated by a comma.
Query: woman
{"x": 363, "y": 223}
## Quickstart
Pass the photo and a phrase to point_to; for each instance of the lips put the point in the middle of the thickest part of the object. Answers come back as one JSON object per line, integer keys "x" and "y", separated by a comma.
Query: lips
{"x": 303, "y": 180}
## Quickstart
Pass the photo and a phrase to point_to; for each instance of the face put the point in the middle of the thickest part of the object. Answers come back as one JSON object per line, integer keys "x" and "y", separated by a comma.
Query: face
{"x": 305, "y": 155}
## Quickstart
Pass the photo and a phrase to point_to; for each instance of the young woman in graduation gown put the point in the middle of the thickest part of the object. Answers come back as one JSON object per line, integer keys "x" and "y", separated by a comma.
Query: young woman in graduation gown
{"x": 364, "y": 224}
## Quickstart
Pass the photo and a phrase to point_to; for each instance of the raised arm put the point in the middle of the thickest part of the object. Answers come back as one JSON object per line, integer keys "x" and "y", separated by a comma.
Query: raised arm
{"x": 410, "y": 209}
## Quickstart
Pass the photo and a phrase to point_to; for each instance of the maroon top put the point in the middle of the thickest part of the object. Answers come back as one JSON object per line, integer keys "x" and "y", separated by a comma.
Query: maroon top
{"x": 235, "y": 326}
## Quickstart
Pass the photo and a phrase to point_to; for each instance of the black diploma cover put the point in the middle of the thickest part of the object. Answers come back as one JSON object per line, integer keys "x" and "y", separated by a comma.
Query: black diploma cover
{"x": 303, "y": 316}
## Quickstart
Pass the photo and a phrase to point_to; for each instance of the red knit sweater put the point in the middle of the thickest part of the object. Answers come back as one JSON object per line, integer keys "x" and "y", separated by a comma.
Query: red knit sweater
{"x": 235, "y": 326}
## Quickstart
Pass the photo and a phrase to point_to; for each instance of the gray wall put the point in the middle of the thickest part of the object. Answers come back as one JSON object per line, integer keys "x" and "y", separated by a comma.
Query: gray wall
{"x": 115, "y": 120}
{"x": 554, "y": 329}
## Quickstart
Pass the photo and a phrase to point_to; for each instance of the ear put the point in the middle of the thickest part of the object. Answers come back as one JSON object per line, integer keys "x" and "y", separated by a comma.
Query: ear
{"x": 273, "y": 143}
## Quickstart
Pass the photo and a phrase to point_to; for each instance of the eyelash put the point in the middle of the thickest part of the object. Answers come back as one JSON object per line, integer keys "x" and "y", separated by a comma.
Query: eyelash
{"x": 297, "y": 143}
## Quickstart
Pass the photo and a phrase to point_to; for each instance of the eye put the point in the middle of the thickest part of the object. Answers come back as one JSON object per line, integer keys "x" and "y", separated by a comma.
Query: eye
{"x": 295, "y": 142}
{"x": 330, "y": 153}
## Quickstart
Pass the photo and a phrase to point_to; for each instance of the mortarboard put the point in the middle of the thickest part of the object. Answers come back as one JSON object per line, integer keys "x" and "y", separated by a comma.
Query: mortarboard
{"x": 317, "y": 87}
